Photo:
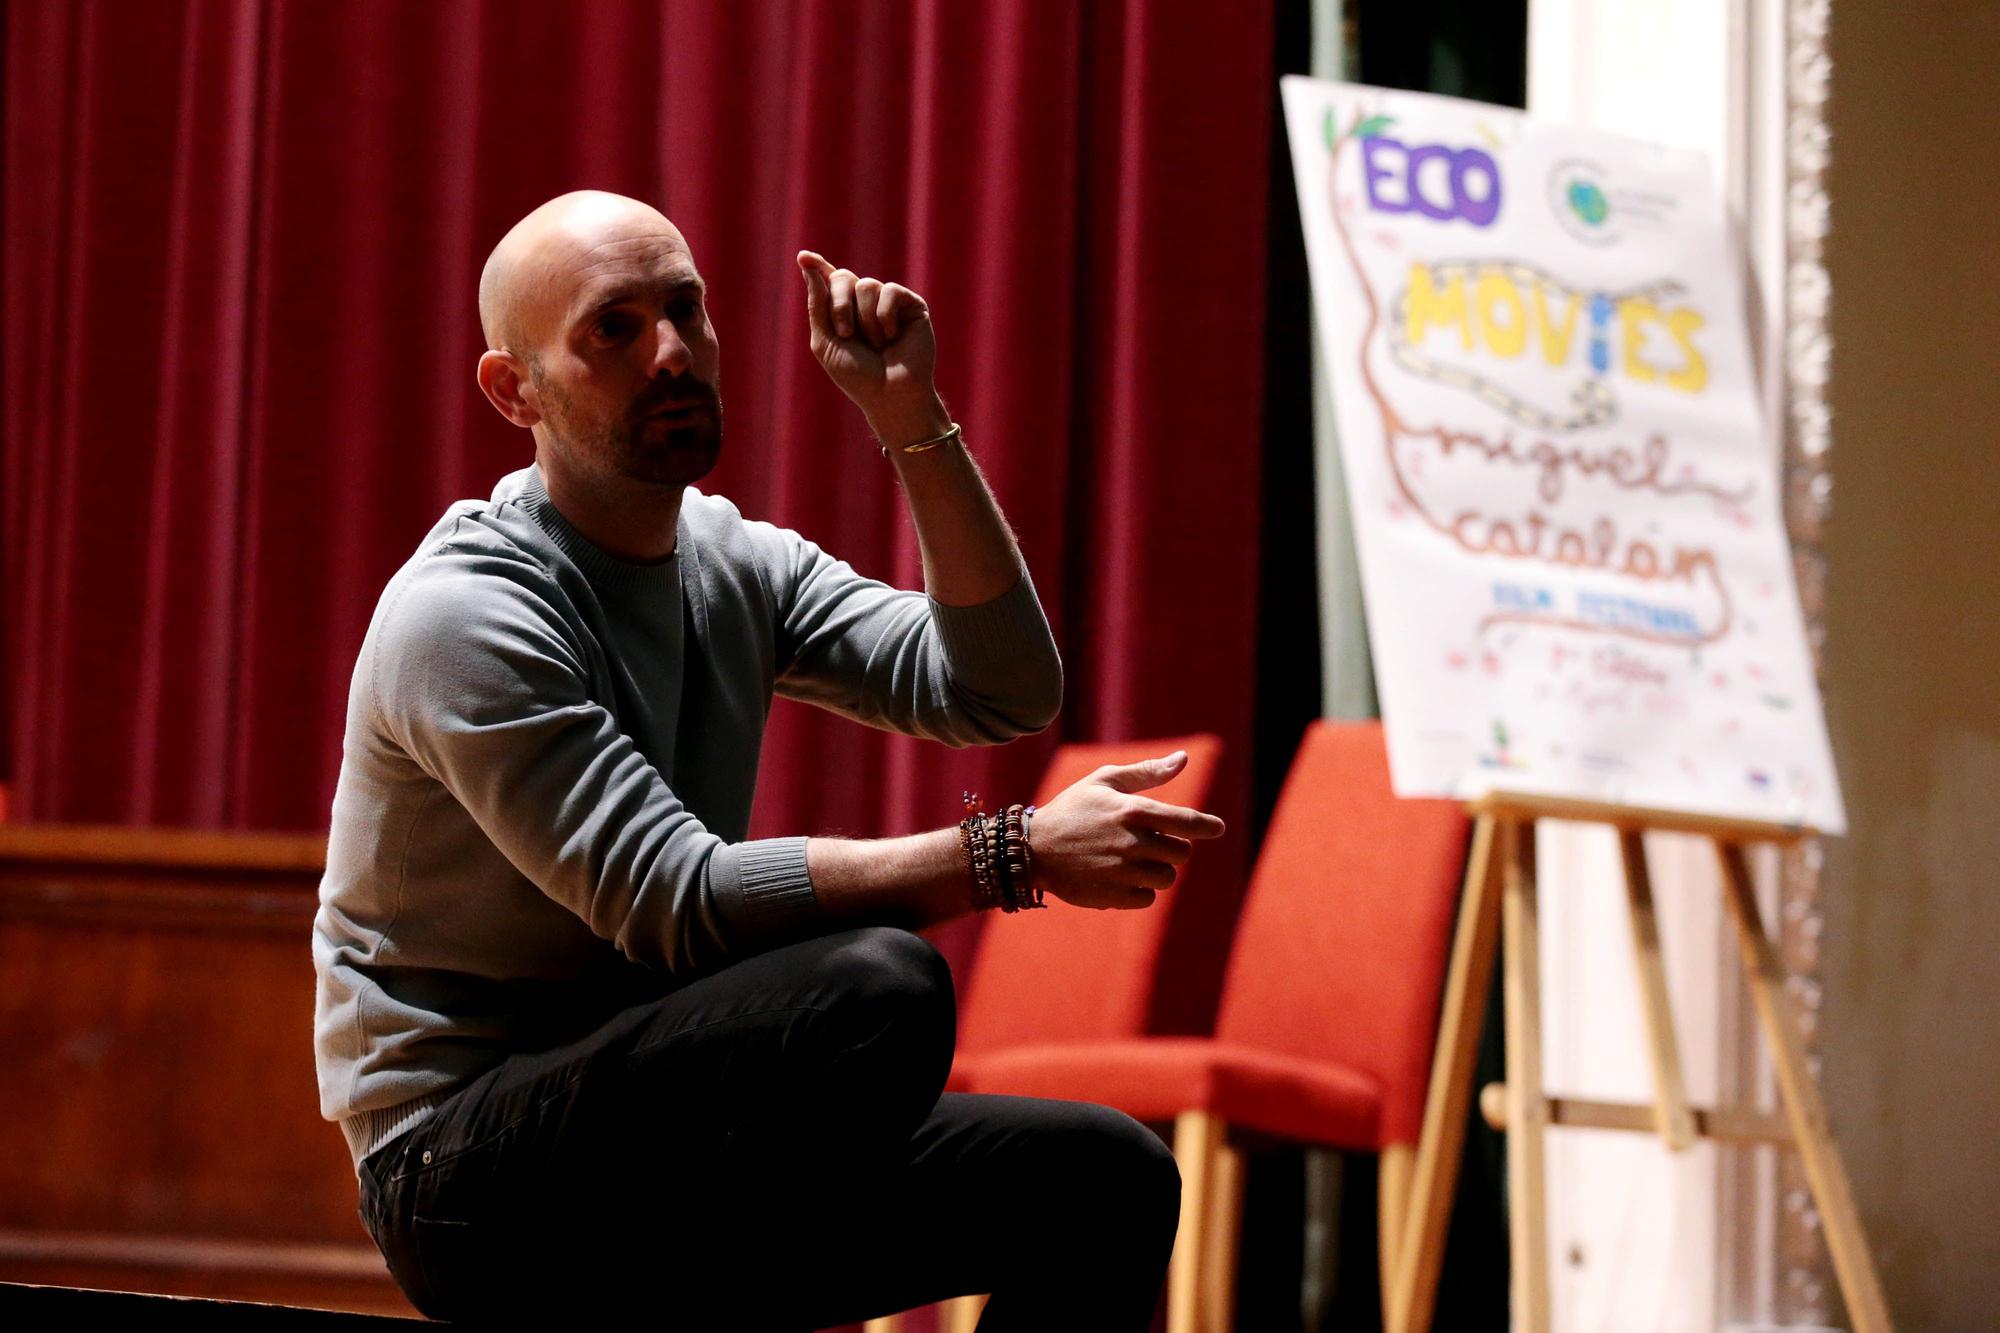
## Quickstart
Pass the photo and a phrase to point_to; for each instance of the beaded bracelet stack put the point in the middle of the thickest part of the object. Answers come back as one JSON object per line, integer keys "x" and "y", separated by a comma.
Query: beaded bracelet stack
{"x": 998, "y": 857}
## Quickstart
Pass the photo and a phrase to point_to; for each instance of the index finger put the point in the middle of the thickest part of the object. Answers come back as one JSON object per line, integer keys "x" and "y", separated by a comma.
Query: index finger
{"x": 815, "y": 270}
{"x": 1178, "y": 820}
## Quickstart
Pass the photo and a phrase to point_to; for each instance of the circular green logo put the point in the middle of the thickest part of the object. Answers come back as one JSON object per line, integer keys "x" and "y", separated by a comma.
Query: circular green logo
{"x": 1588, "y": 202}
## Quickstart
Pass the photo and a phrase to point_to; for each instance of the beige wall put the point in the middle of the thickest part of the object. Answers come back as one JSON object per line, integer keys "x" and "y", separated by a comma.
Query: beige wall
{"x": 1912, "y": 1037}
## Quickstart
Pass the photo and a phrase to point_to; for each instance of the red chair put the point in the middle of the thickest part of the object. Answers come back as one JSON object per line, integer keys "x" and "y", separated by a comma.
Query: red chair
{"x": 1069, "y": 973}
{"x": 1328, "y": 1011}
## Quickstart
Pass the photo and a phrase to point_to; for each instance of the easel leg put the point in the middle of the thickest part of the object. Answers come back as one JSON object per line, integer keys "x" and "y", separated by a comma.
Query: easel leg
{"x": 1410, "y": 1300}
{"x": 1669, "y": 1092}
{"x": 1859, "y": 1284}
{"x": 1527, "y": 1102}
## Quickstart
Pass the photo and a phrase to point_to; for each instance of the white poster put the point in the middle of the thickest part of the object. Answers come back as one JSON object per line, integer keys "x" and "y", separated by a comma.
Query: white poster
{"x": 1564, "y": 494}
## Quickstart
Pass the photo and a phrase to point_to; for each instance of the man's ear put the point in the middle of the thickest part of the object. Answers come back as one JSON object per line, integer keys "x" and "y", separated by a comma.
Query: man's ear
{"x": 502, "y": 380}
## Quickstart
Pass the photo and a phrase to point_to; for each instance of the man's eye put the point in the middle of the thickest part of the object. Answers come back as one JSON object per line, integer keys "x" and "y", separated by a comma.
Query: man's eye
{"x": 684, "y": 308}
{"x": 615, "y": 325}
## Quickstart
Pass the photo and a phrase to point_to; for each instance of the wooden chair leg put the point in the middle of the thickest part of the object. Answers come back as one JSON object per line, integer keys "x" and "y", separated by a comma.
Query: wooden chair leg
{"x": 961, "y": 1315}
{"x": 1408, "y": 1303}
{"x": 1392, "y": 1203}
{"x": 1198, "y": 1144}
{"x": 1222, "y": 1232}
{"x": 1527, "y": 1102}
{"x": 1852, "y": 1264}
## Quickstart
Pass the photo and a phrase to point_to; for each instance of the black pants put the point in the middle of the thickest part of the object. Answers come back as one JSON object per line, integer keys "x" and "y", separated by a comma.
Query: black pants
{"x": 768, "y": 1148}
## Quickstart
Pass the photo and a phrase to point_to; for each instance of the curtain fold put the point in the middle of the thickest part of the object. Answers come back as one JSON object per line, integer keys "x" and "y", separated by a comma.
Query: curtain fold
{"x": 238, "y": 332}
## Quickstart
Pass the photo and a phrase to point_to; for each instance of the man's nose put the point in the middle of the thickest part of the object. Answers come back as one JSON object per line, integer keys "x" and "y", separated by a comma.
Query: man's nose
{"x": 670, "y": 351}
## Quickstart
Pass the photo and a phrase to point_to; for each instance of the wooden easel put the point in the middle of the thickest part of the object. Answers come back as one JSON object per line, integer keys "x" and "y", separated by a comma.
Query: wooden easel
{"x": 1499, "y": 900}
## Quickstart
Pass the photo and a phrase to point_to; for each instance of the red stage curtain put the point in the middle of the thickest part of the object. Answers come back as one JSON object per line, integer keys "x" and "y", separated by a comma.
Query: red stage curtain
{"x": 241, "y": 245}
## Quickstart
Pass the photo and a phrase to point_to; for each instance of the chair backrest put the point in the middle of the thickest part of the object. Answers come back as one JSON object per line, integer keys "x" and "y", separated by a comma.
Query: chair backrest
{"x": 1069, "y": 973}
{"x": 1346, "y": 922}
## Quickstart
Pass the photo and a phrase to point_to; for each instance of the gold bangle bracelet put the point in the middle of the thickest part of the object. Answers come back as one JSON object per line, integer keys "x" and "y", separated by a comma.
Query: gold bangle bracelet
{"x": 925, "y": 446}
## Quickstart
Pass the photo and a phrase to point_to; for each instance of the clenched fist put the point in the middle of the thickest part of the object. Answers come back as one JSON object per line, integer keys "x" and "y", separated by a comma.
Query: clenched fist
{"x": 874, "y": 340}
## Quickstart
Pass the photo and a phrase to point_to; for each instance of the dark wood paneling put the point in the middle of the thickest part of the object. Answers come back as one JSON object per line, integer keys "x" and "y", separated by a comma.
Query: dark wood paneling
{"x": 159, "y": 1119}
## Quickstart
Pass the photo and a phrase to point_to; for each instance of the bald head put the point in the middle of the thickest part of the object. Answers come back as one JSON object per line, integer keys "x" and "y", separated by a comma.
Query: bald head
{"x": 598, "y": 340}
{"x": 533, "y": 273}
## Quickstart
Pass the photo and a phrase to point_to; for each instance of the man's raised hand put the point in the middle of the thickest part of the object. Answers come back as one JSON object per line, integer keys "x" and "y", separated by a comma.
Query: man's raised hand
{"x": 874, "y": 340}
{"x": 1101, "y": 844}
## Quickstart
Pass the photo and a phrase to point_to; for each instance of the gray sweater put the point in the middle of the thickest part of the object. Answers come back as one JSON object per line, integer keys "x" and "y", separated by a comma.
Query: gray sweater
{"x": 547, "y": 773}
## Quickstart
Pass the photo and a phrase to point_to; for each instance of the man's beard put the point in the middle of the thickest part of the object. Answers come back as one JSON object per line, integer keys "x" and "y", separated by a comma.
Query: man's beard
{"x": 666, "y": 452}
{"x": 639, "y": 448}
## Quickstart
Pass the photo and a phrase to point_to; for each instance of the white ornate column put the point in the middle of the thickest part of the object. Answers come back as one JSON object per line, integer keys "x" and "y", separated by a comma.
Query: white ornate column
{"x": 1714, "y": 1238}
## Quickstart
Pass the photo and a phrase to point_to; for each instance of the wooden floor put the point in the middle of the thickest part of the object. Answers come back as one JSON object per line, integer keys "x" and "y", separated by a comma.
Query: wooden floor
{"x": 28, "y": 1306}
{"x": 344, "y": 1278}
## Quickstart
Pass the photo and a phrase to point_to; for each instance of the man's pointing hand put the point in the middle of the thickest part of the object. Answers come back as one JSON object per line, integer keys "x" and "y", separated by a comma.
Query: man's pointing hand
{"x": 874, "y": 340}
{"x": 1101, "y": 844}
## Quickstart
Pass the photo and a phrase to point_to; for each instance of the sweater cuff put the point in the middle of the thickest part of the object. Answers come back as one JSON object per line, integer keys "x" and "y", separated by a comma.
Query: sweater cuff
{"x": 995, "y": 631}
{"x": 761, "y": 888}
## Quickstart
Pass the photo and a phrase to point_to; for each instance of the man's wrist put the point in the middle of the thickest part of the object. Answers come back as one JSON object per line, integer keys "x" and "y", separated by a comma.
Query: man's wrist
{"x": 906, "y": 423}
